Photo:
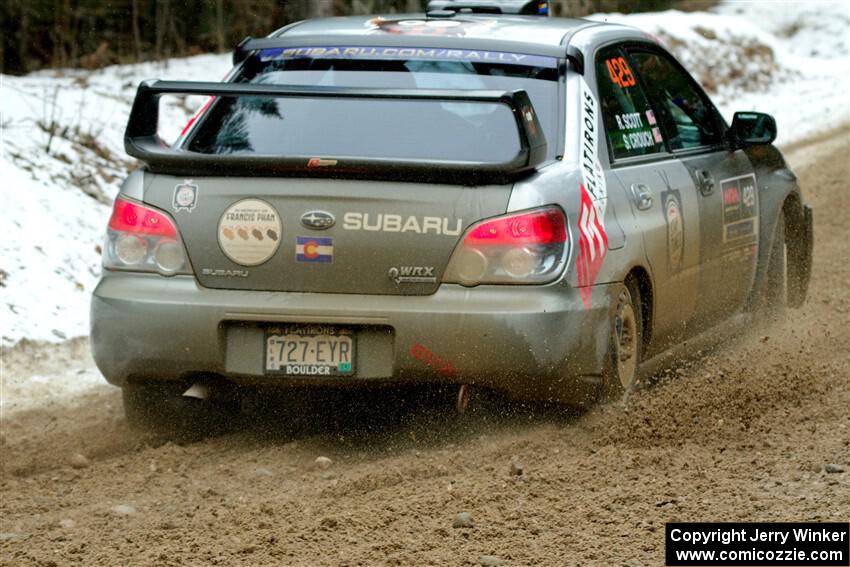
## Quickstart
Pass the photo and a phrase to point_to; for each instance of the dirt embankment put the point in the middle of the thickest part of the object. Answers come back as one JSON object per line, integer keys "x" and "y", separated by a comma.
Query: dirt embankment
{"x": 740, "y": 433}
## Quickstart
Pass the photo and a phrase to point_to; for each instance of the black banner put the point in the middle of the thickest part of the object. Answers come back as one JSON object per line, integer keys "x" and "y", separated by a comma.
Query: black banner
{"x": 758, "y": 544}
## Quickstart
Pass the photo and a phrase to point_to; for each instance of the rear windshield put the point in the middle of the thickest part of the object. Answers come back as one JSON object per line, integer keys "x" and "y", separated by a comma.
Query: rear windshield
{"x": 369, "y": 128}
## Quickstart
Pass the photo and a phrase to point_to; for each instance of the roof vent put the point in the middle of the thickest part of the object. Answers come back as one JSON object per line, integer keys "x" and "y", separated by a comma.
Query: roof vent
{"x": 440, "y": 13}
{"x": 516, "y": 7}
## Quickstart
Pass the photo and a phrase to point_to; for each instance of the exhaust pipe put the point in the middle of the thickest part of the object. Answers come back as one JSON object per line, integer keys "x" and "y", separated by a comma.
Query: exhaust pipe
{"x": 198, "y": 390}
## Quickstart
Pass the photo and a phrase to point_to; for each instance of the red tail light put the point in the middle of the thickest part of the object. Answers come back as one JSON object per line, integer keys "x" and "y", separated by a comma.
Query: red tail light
{"x": 519, "y": 248}
{"x": 132, "y": 217}
{"x": 546, "y": 226}
{"x": 143, "y": 239}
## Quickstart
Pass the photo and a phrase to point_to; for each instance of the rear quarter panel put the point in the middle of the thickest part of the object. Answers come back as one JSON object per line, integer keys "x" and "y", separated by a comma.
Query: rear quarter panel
{"x": 560, "y": 182}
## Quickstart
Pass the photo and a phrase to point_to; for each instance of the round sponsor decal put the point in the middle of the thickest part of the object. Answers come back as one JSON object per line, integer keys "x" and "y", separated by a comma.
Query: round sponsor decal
{"x": 675, "y": 231}
{"x": 185, "y": 196}
{"x": 249, "y": 232}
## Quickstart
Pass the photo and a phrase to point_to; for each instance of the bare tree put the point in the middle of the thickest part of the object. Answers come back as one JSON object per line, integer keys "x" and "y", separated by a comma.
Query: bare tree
{"x": 137, "y": 35}
{"x": 320, "y": 8}
{"x": 219, "y": 24}
{"x": 38, "y": 33}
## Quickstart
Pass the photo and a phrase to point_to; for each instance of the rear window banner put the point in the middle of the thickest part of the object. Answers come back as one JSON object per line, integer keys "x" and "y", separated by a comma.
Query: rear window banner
{"x": 407, "y": 53}
{"x": 593, "y": 241}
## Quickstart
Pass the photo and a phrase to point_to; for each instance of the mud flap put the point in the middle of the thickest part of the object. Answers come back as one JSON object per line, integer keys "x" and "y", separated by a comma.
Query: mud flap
{"x": 801, "y": 238}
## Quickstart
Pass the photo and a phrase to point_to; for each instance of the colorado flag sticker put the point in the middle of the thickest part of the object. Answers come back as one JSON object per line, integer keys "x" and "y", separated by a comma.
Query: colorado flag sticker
{"x": 312, "y": 249}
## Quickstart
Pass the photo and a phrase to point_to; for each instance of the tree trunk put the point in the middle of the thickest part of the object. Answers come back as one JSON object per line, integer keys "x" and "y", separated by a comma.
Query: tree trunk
{"x": 160, "y": 30}
{"x": 219, "y": 25}
{"x": 24, "y": 36}
{"x": 74, "y": 36}
{"x": 162, "y": 24}
{"x": 320, "y": 8}
{"x": 59, "y": 34}
{"x": 176, "y": 35}
{"x": 137, "y": 34}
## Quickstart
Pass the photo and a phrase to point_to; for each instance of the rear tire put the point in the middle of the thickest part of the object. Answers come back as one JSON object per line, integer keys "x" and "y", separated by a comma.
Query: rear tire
{"x": 625, "y": 344}
{"x": 161, "y": 409}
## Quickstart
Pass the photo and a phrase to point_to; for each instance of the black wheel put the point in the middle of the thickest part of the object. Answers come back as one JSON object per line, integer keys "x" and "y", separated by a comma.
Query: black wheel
{"x": 774, "y": 297}
{"x": 161, "y": 409}
{"x": 624, "y": 347}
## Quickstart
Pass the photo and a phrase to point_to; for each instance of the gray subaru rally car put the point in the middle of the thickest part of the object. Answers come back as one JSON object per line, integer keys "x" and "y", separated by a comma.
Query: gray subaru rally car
{"x": 473, "y": 196}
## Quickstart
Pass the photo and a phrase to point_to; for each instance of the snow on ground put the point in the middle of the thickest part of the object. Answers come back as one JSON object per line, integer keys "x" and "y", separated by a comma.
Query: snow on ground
{"x": 789, "y": 59}
{"x": 35, "y": 377}
{"x": 812, "y": 38}
{"x": 62, "y": 159}
{"x": 61, "y": 163}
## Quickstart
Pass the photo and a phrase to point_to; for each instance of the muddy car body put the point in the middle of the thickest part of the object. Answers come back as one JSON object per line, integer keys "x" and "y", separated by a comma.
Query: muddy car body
{"x": 523, "y": 203}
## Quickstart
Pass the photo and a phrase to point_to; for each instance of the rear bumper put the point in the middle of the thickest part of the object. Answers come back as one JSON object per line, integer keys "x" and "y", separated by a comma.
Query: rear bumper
{"x": 535, "y": 342}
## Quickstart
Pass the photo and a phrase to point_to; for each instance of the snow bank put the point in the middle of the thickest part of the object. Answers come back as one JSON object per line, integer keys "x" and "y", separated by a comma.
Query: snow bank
{"x": 789, "y": 59}
{"x": 61, "y": 163}
{"x": 62, "y": 157}
{"x": 39, "y": 377}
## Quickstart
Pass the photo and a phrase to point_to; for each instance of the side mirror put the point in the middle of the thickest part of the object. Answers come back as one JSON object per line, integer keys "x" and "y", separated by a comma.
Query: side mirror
{"x": 752, "y": 129}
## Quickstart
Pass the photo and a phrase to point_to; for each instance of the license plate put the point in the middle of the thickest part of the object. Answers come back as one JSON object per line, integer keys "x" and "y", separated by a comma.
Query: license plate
{"x": 309, "y": 350}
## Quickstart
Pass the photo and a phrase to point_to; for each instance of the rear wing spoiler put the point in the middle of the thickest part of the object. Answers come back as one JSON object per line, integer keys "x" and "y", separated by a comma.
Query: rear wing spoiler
{"x": 142, "y": 141}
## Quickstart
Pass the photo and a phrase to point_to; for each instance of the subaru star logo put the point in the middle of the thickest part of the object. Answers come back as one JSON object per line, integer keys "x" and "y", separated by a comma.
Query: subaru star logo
{"x": 317, "y": 220}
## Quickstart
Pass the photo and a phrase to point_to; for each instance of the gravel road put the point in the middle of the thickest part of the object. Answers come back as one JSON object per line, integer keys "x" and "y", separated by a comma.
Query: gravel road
{"x": 740, "y": 431}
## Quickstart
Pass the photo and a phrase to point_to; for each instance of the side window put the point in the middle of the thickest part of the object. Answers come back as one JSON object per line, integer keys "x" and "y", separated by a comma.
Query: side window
{"x": 689, "y": 120}
{"x": 629, "y": 121}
